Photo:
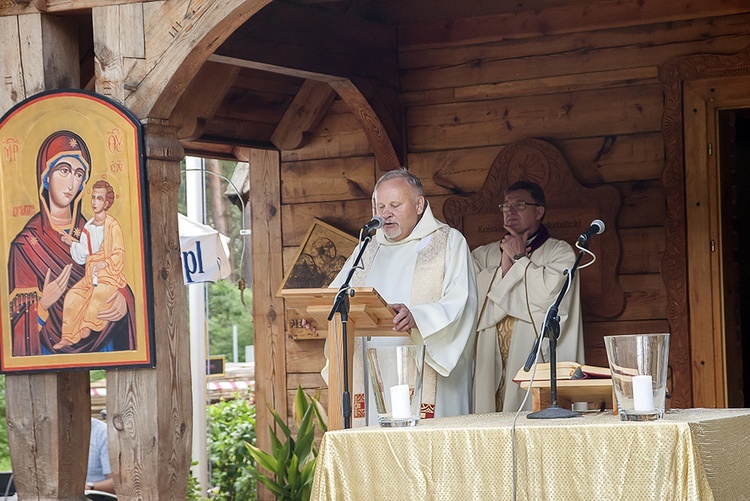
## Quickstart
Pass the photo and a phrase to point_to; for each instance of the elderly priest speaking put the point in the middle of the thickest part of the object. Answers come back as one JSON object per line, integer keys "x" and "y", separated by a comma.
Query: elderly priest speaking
{"x": 423, "y": 269}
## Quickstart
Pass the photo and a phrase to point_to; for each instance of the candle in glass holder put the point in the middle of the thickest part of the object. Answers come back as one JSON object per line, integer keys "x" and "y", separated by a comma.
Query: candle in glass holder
{"x": 400, "y": 405}
{"x": 643, "y": 393}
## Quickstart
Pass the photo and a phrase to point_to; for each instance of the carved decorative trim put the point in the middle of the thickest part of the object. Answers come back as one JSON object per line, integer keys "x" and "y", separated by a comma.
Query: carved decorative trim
{"x": 541, "y": 162}
{"x": 674, "y": 263}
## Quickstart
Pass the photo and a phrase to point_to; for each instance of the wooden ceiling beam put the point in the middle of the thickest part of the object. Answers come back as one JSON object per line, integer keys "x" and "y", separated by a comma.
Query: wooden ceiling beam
{"x": 273, "y": 68}
{"x": 202, "y": 98}
{"x": 359, "y": 59}
{"x": 308, "y": 108}
{"x": 316, "y": 42}
{"x": 18, "y": 7}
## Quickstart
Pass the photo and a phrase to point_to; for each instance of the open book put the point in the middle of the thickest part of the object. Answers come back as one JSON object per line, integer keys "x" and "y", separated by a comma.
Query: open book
{"x": 565, "y": 370}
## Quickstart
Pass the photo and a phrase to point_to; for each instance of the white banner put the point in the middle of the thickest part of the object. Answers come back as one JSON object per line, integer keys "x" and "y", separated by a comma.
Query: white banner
{"x": 205, "y": 252}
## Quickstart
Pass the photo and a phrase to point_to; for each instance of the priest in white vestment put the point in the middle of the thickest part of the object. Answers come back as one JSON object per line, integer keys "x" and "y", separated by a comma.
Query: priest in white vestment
{"x": 423, "y": 269}
{"x": 518, "y": 278}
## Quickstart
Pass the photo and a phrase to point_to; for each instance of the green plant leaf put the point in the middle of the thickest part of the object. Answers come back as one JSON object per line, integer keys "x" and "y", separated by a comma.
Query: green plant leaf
{"x": 305, "y": 436}
{"x": 276, "y": 444}
{"x": 272, "y": 486}
{"x": 291, "y": 464}
{"x": 307, "y": 474}
{"x": 293, "y": 471}
{"x": 264, "y": 459}
{"x": 320, "y": 413}
{"x": 280, "y": 422}
{"x": 300, "y": 405}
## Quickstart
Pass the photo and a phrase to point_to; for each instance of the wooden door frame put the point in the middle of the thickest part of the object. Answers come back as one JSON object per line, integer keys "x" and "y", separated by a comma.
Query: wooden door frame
{"x": 695, "y": 87}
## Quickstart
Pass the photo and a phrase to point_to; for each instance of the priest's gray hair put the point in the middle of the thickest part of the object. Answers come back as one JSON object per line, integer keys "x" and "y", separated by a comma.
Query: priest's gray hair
{"x": 402, "y": 173}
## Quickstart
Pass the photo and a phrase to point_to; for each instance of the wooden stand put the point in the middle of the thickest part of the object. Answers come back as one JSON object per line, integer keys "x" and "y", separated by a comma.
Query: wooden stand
{"x": 369, "y": 315}
{"x": 572, "y": 390}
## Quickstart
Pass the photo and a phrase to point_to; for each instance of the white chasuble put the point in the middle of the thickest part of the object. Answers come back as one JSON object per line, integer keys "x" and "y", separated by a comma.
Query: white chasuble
{"x": 524, "y": 293}
{"x": 431, "y": 272}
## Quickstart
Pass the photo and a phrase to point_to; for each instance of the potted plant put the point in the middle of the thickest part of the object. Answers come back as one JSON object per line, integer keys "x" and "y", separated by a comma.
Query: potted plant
{"x": 291, "y": 462}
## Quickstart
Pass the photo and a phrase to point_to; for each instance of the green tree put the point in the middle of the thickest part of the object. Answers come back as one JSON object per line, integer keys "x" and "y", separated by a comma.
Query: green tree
{"x": 225, "y": 309}
{"x": 231, "y": 425}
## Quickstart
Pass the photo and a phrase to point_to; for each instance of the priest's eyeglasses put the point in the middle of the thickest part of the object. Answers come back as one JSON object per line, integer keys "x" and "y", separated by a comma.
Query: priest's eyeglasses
{"x": 516, "y": 206}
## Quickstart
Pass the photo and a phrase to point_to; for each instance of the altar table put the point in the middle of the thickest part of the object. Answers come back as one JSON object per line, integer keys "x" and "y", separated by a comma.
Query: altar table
{"x": 691, "y": 455}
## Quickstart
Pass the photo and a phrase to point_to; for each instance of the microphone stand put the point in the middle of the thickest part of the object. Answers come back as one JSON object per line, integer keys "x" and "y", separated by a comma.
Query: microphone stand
{"x": 551, "y": 330}
{"x": 341, "y": 306}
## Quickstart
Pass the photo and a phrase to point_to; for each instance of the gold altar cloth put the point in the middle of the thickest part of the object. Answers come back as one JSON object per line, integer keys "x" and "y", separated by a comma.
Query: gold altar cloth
{"x": 691, "y": 455}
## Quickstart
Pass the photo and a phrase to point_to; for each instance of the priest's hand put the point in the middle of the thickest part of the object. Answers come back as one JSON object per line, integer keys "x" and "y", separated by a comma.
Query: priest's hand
{"x": 53, "y": 289}
{"x": 307, "y": 325}
{"x": 118, "y": 307}
{"x": 403, "y": 321}
{"x": 514, "y": 243}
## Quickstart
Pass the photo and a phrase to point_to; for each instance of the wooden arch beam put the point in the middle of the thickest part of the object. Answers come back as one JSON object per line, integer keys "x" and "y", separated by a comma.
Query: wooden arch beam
{"x": 304, "y": 114}
{"x": 176, "y": 53}
{"x": 381, "y": 141}
{"x": 358, "y": 58}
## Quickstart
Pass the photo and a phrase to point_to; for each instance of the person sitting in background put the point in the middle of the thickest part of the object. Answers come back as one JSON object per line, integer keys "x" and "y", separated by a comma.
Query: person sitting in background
{"x": 99, "y": 472}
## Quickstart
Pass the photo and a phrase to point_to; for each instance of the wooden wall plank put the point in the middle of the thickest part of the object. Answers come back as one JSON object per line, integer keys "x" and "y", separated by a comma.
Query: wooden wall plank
{"x": 523, "y": 22}
{"x": 308, "y": 380}
{"x": 108, "y": 56}
{"x": 268, "y": 310}
{"x": 594, "y": 160}
{"x": 589, "y": 113}
{"x": 645, "y": 298}
{"x": 346, "y": 216}
{"x": 642, "y": 250}
{"x": 558, "y": 83}
{"x": 654, "y": 42}
{"x": 331, "y": 179}
{"x": 615, "y": 158}
{"x": 305, "y": 356}
{"x": 643, "y": 204}
{"x": 594, "y": 332}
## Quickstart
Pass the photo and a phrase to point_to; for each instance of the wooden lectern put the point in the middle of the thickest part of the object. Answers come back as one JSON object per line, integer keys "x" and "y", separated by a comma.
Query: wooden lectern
{"x": 369, "y": 315}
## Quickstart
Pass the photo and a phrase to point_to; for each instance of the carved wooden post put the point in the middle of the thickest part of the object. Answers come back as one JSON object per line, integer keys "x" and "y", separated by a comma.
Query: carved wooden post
{"x": 49, "y": 423}
{"x": 48, "y": 414}
{"x": 150, "y": 410}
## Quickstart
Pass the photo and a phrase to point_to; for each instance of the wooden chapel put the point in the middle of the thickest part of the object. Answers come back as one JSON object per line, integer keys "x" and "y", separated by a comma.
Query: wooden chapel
{"x": 321, "y": 97}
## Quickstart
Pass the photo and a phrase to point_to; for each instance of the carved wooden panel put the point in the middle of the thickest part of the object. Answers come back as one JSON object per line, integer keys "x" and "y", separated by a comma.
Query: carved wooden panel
{"x": 570, "y": 209}
{"x": 674, "y": 263}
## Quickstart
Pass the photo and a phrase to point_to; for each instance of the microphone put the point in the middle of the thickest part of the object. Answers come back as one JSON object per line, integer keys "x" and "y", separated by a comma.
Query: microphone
{"x": 597, "y": 227}
{"x": 375, "y": 223}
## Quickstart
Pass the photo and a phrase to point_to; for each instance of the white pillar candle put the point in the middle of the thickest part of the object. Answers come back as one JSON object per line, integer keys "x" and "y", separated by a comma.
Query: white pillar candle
{"x": 400, "y": 406}
{"x": 643, "y": 394}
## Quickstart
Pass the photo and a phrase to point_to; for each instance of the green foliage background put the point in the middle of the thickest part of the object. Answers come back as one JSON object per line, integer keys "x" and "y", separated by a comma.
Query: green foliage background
{"x": 225, "y": 309}
{"x": 231, "y": 425}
